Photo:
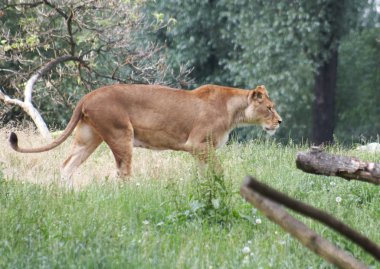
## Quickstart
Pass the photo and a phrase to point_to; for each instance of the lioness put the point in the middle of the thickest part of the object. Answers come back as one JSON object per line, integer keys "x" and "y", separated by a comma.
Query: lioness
{"x": 158, "y": 117}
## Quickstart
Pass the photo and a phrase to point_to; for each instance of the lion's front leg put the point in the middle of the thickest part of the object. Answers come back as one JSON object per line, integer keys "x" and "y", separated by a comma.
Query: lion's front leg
{"x": 209, "y": 163}
{"x": 205, "y": 154}
{"x": 203, "y": 147}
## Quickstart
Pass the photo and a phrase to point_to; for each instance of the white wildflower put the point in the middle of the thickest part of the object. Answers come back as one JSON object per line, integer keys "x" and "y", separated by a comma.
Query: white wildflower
{"x": 338, "y": 199}
{"x": 258, "y": 221}
{"x": 215, "y": 203}
{"x": 246, "y": 250}
{"x": 145, "y": 222}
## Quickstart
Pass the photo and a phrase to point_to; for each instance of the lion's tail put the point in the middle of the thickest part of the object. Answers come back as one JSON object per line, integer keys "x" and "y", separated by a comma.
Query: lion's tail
{"x": 77, "y": 114}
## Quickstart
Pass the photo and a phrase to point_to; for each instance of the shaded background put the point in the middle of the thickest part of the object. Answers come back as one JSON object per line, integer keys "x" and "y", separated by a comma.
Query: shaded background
{"x": 320, "y": 60}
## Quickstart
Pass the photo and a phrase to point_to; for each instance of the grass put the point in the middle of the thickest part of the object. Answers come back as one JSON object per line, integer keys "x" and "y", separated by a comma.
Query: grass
{"x": 158, "y": 219}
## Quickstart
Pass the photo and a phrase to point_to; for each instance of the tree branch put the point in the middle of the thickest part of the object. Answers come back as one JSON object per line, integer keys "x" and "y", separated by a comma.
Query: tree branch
{"x": 42, "y": 71}
{"x": 27, "y": 105}
{"x": 115, "y": 78}
{"x": 30, "y": 5}
{"x": 10, "y": 101}
{"x": 70, "y": 31}
{"x": 318, "y": 162}
{"x": 276, "y": 213}
{"x": 61, "y": 94}
{"x": 316, "y": 214}
{"x": 60, "y": 11}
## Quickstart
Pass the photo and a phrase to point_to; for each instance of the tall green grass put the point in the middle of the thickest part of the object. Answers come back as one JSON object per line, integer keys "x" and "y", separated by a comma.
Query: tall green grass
{"x": 162, "y": 217}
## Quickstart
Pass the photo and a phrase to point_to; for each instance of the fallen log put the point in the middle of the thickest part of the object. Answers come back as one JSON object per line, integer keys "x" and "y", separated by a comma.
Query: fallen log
{"x": 269, "y": 202}
{"x": 319, "y": 162}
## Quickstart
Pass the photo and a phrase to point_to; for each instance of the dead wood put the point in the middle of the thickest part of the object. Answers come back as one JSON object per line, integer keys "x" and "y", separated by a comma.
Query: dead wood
{"x": 319, "y": 162}
{"x": 269, "y": 202}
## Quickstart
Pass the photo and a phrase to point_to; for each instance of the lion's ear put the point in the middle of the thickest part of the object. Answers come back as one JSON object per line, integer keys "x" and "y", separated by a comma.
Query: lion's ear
{"x": 255, "y": 95}
{"x": 258, "y": 94}
{"x": 262, "y": 89}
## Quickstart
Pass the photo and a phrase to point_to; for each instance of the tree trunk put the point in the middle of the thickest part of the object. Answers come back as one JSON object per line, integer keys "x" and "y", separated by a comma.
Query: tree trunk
{"x": 324, "y": 102}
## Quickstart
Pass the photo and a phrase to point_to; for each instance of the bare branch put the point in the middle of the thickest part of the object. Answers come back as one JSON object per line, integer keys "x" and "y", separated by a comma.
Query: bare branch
{"x": 31, "y": 111}
{"x": 100, "y": 35}
{"x": 299, "y": 230}
{"x": 120, "y": 80}
{"x": 60, "y": 11}
{"x": 29, "y": 5}
{"x": 316, "y": 214}
{"x": 10, "y": 101}
{"x": 65, "y": 100}
{"x": 42, "y": 71}
{"x": 8, "y": 70}
{"x": 70, "y": 31}
{"x": 27, "y": 105}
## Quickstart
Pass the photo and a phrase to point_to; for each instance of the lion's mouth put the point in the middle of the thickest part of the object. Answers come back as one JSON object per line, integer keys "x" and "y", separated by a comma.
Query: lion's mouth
{"x": 270, "y": 130}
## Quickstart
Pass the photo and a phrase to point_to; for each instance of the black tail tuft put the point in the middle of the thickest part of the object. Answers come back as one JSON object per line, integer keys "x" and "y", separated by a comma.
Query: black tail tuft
{"x": 13, "y": 140}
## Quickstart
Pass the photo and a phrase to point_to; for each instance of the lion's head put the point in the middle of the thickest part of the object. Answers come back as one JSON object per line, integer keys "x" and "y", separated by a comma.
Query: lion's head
{"x": 261, "y": 110}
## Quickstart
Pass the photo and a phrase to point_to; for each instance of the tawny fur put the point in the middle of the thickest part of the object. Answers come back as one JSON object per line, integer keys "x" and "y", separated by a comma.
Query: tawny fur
{"x": 158, "y": 117}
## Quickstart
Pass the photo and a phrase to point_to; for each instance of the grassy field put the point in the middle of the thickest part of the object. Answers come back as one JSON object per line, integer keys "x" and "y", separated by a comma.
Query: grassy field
{"x": 165, "y": 216}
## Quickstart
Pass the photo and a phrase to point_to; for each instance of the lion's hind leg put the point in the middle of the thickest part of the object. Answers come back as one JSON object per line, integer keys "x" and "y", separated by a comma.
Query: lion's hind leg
{"x": 115, "y": 128}
{"x": 120, "y": 141}
{"x": 86, "y": 140}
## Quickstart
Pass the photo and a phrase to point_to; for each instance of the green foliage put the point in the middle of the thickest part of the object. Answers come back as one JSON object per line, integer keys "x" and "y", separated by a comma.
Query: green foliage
{"x": 249, "y": 43}
{"x": 358, "y": 87}
{"x": 110, "y": 39}
{"x": 214, "y": 196}
{"x": 237, "y": 43}
{"x": 270, "y": 50}
{"x": 209, "y": 200}
{"x": 194, "y": 38}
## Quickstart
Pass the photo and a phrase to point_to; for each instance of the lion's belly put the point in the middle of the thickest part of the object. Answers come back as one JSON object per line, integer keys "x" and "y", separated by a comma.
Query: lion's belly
{"x": 139, "y": 144}
{"x": 158, "y": 139}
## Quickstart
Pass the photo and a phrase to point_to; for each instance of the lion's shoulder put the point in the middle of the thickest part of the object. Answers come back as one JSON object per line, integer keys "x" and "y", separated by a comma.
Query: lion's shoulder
{"x": 211, "y": 91}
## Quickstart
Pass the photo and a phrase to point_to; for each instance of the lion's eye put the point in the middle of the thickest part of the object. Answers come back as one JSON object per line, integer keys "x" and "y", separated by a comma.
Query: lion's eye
{"x": 269, "y": 108}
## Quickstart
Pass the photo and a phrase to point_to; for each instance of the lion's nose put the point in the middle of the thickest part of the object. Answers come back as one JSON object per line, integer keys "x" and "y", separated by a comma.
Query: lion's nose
{"x": 279, "y": 121}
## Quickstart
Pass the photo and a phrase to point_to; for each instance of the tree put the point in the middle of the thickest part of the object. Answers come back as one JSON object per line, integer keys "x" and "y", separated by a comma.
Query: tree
{"x": 248, "y": 43}
{"x": 193, "y": 37}
{"x": 358, "y": 95}
{"x": 290, "y": 46}
{"x": 338, "y": 17}
{"x": 76, "y": 46}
